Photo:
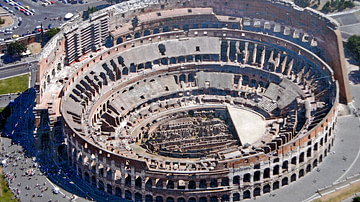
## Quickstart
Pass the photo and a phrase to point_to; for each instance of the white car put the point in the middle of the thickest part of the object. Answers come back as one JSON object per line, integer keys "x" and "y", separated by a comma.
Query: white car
{"x": 56, "y": 190}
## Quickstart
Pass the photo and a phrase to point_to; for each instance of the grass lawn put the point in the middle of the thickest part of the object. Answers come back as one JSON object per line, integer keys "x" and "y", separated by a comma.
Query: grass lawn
{"x": 341, "y": 194}
{"x": 5, "y": 193}
{"x": 14, "y": 84}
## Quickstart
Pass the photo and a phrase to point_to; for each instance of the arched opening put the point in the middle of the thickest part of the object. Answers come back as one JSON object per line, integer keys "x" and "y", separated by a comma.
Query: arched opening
{"x": 203, "y": 199}
{"x": 276, "y": 170}
{"x": 266, "y": 188}
{"x": 276, "y": 185}
{"x": 247, "y": 177}
{"x": 225, "y": 198}
{"x": 253, "y": 83}
{"x": 301, "y": 173}
{"x": 245, "y": 80}
{"x": 284, "y": 181}
{"x": 192, "y": 199}
{"x": 159, "y": 199}
{"x": 93, "y": 181}
{"x": 315, "y": 146}
{"x": 118, "y": 191}
{"x": 191, "y": 77}
{"x": 202, "y": 184}
{"x": 293, "y": 160}
{"x": 247, "y": 194}
{"x": 172, "y": 60}
{"x": 308, "y": 168}
{"x": 301, "y": 158}
{"x": 137, "y": 35}
{"x": 308, "y": 153}
{"x": 225, "y": 181}
{"x": 101, "y": 185}
{"x": 285, "y": 166}
{"x": 266, "y": 173}
{"x": 213, "y": 199}
{"x": 159, "y": 184}
{"x": 236, "y": 197}
{"x": 138, "y": 182}
{"x": 128, "y": 195}
{"x": 147, "y": 32}
{"x": 182, "y": 78}
{"x": 236, "y": 180}
{"x": 256, "y": 176}
{"x": 148, "y": 198}
{"x": 169, "y": 199}
{"x": 257, "y": 192}
{"x": 109, "y": 188}
{"x": 293, "y": 177}
{"x": 320, "y": 158}
{"x": 125, "y": 71}
{"x": 119, "y": 40}
{"x": 315, "y": 163}
{"x": 87, "y": 177}
{"x": 128, "y": 181}
{"x": 192, "y": 185}
{"x": 170, "y": 185}
{"x": 138, "y": 197}
{"x": 213, "y": 183}
{"x": 148, "y": 184}
{"x": 181, "y": 200}
{"x": 132, "y": 67}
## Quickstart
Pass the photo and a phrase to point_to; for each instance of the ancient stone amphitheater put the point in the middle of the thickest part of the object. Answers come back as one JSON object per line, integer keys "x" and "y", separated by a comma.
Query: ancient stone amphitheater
{"x": 193, "y": 100}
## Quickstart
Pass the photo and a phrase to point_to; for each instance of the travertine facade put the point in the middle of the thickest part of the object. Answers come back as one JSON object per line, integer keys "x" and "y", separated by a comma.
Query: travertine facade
{"x": 144, "y": 119}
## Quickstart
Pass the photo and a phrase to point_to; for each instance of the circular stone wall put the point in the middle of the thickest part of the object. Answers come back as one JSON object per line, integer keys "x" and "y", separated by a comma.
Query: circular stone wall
{"x": 194, "y": 98}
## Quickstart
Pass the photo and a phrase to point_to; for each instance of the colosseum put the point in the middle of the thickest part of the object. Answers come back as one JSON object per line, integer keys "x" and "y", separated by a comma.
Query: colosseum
{"x": 192, "y": 100}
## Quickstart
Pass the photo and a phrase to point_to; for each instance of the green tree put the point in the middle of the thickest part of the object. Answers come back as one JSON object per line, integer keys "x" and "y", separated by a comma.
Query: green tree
{"x": 2, "y": 21}
{"x": 353, "y": 45}
{"x": 15, "y": 48}
{"x": 356, "y": 199}
{"x": 326, "y": 8}
{"x": 52, "y": 32}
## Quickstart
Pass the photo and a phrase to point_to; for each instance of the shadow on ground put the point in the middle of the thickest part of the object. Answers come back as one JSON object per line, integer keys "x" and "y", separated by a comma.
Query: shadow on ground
{"x": 354, "y": 76}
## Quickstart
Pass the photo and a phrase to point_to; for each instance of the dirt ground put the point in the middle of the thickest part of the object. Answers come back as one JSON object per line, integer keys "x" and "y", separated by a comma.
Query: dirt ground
{"x": 35, "y": 48}
{"x": 8, "y": 19}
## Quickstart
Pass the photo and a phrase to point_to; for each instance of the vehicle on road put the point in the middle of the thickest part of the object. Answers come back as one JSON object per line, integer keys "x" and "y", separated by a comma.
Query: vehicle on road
{"x": 56, "y": 190}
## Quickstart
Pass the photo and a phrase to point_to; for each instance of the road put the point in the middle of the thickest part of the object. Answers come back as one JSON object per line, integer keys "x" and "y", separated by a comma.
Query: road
{"x": 15, "y": 70}
{"x": 349, "y": 21}
{"x": 46, "y": 15}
